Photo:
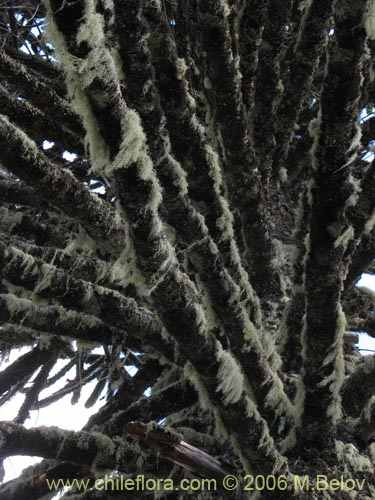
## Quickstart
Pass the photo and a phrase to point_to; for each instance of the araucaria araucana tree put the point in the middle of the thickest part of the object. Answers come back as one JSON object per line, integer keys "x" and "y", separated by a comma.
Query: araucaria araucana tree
{"x": 188, "y": 185}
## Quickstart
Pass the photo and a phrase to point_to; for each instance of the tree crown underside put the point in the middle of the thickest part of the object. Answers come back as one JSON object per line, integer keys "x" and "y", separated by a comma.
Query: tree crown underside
{"x": 187, "y": 188}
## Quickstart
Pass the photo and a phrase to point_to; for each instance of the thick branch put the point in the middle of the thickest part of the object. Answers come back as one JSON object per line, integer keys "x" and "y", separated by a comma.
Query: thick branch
{"x": 54, "y": 320}
{"x": 359, "y": 387}
{"x": 18, "y": 192}
{"x": 131, "y": 389}
{"x": 59, "y": 187}
{"x": 173, "y": 294}
{"x": 51, "y": 232}
{"x": 39, "y": 94}
{"x": 107, "y": 305}
{"x": 82, "y": 448}
{"x": 79, "y": 266}
{"x": 23, "y": 367}
{"x": 155, "y": 407}
{"x": 37, "y": 124}
{"x": 172, "y": 447}
{"x": 304, "y": 59}
{"x": 332, "y": 154}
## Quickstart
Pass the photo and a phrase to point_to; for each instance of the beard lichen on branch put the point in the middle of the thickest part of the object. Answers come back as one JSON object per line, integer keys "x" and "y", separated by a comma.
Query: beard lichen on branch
{"x": 203, "y": 234}
{"x": 335, "y": 380}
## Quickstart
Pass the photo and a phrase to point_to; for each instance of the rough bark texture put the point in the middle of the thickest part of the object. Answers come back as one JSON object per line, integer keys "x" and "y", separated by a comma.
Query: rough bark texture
{"x": 187, "y": 185}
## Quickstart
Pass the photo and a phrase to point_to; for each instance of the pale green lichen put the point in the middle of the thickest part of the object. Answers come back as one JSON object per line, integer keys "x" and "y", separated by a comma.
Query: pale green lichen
{"x": 354, "y": 462}
{"x": 16, "y": 304}
{"x": 356, "y": 141}
{"x": 371, "y": 450}
{"x": 3, "y": 440}
{"x": 164, "y": 269}
{"x": 82, "y": 242}
{"x": 369, "y": 19}
{"x": 180, "y": 176}
{"x": 280, "y": 86}
{"x": 47, "y": 273}
{"x": 370, "y": 223}
{"x": 311, "y": 186}
{"x": 289, "y": 442}
{"x": 92, "y": 29}
{"x": 197, "y": 125}
{"x": 279, "y": 402}
{"x": 370, "y": 294}
{"x": 200, "y": 318}
{"x": 283, "y": 175}
{"x": 193, "y": 436}
{"x": 230, "y": 376}
{"x": 94, "y": 143}
{"x": 244, "y": 460}
{"x": 22, "y": 260}
{"x": 30, "y": 149}
{"x": 299, "y": 400}
{"x": 335, "y": 379}
{"x": 191, "y": 374}
{"x": 44, "y": 341}
{"x": 225, "y": 8}
{"x": 368, "y": 408}
{"x": 10, "y": 220}
{"x": 368, "y": 366}
{"x": 256, "y": 337}
{"x": 181, "y": 68}
{"x": 305, "y": 7}
{"x": 209, "y": 121}
{"x": 237, "y": 24}
{"x": 118, "y": 63}
{"x": 212, "y": 160}
{"x": 133, "y": 148}
{"x": 225, "y": 222}
{"x": 283, "y": 331}
{"x": 97, "y": 65}
{"x": 265, "y": 442}
{"x": 80, "y": 73}
{"x": 307, "y": 243}
{"x": 178, "y": 173}
{"x": 210, "y": 314}
{"x": 372, "y": 491}
{"x": 73, "y": 319}
{"x": 350, "y": 160}
{"x": 282, "y": 263}
{"x": 356, "y": 191}
{"x": 247, "y": 289}
{"x": 106, "y": 450}
{"x": 344, "y": 238}
{"x": 315, "y": 133}
{"x": 85, "y": 346}
{"x": 167, "y": 378}
{"x": 207, "y": 83}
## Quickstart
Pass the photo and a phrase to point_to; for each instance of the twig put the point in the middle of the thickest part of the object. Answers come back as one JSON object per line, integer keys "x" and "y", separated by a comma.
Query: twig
{"x": 180, "y": 452}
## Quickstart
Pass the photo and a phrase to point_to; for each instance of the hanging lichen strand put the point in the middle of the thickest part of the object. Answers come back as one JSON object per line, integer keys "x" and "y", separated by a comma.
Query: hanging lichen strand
{"x": 183, "y": 190}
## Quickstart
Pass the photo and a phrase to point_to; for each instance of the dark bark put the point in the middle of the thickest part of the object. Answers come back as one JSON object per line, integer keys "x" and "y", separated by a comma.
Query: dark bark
{"x": 207, "y": 229}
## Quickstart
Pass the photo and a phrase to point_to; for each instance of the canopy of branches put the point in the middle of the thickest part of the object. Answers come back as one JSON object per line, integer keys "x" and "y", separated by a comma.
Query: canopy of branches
{"x": 188, "y": 186}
